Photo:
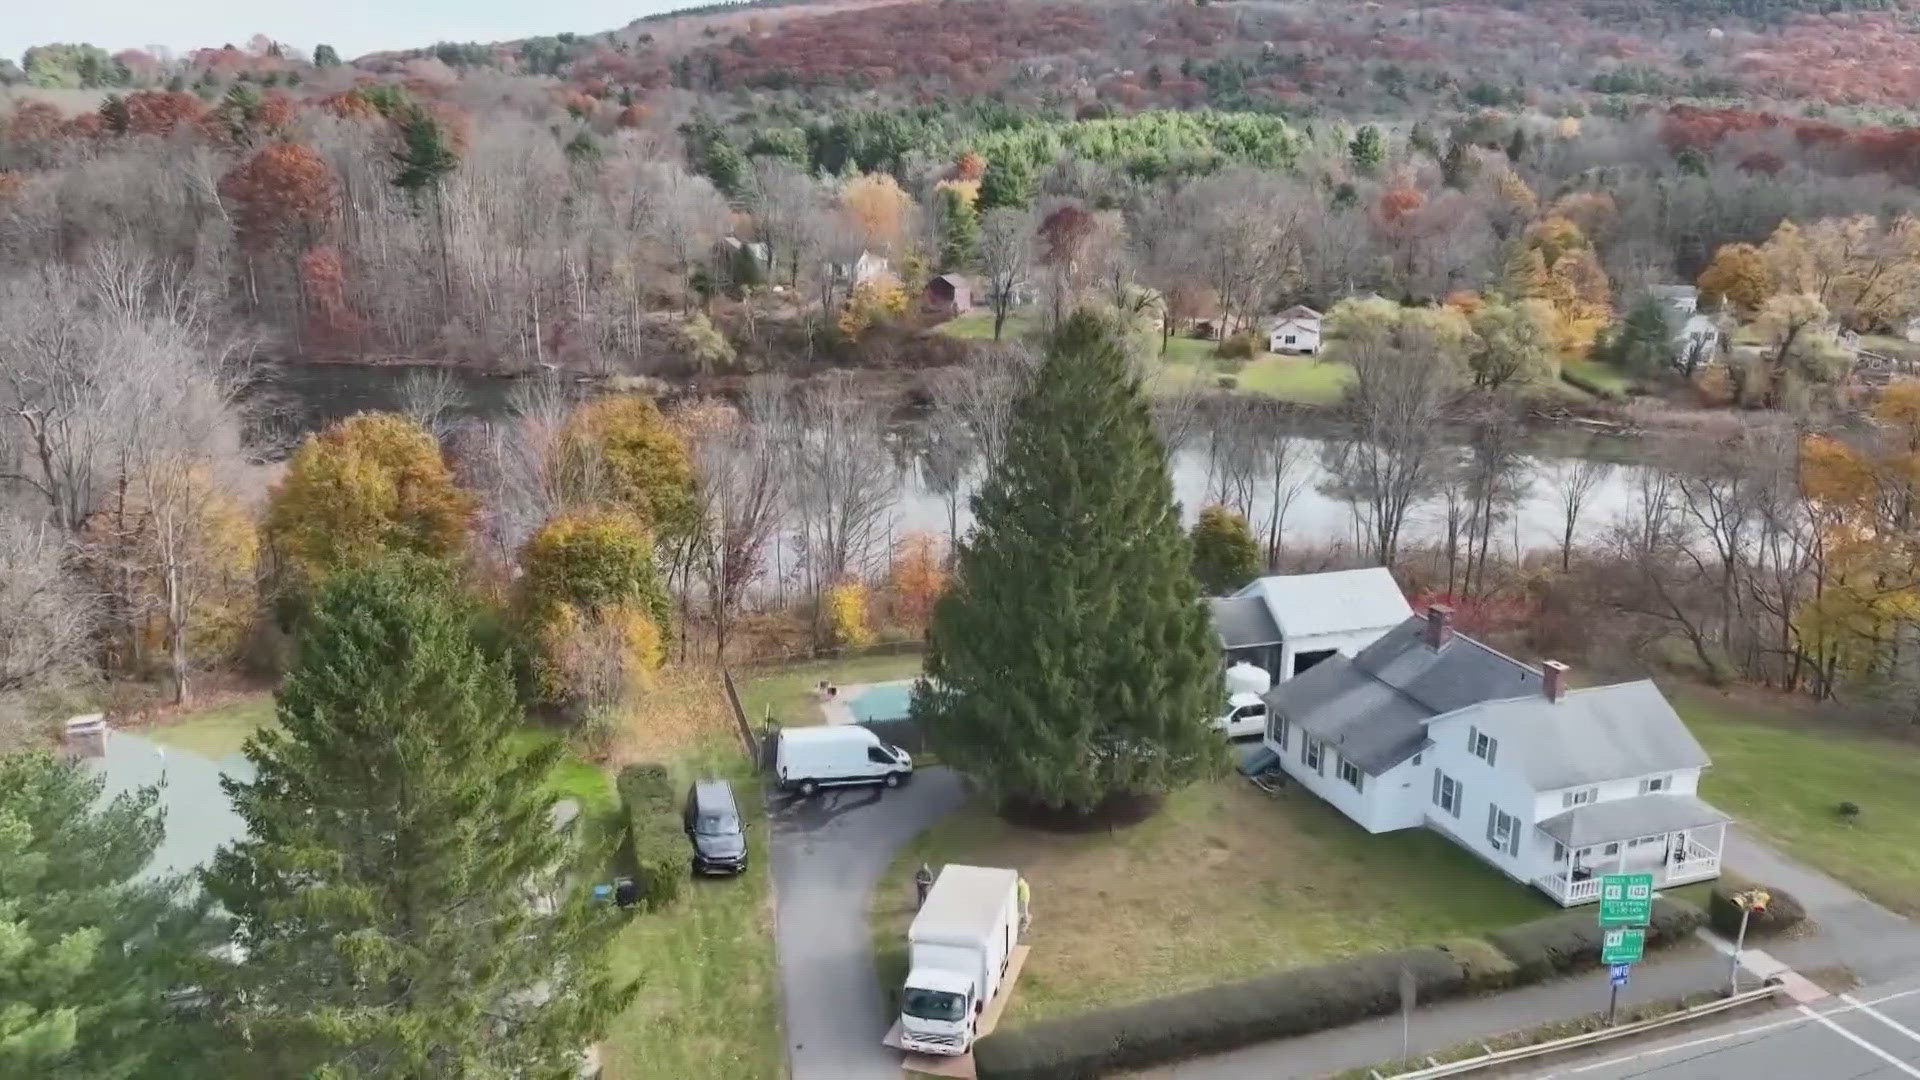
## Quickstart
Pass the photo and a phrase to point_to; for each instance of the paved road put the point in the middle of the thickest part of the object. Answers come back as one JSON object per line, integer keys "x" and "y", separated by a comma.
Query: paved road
{"x": 827, "y": 853}
{"x": 1869, "y": 1034}
{"x": 1851, "y": 931}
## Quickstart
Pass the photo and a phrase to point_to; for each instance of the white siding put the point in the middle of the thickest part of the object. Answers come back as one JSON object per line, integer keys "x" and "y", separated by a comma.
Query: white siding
{"x": 1347, "y": 643}
{"x": 1304, "y": 332}
{"x": 1501, "y": 785}
{"x": 1679, "y": 782}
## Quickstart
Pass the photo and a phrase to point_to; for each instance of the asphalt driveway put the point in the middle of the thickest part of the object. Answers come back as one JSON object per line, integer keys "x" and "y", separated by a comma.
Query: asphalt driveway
{"x": 827, "y": 854}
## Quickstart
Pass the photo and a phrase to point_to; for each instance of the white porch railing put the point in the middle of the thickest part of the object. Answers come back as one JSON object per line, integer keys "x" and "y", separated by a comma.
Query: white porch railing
{"x": 1571, "y": 892}
{"x": 1699, "y": 862}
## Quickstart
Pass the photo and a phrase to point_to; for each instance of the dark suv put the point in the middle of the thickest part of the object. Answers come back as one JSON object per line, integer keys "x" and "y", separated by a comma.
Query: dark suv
{"x": 713, "y": 825}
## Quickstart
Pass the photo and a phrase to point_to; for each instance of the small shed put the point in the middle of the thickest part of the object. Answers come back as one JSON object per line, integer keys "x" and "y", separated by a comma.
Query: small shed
{"x": 948, "y": 294}
{"x": 1295, "y": 330}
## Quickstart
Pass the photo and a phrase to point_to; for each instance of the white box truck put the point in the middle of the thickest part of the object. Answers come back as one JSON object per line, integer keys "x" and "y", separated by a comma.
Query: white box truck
{"x": 810, "y": 758}
{"x": 958, "y": 949}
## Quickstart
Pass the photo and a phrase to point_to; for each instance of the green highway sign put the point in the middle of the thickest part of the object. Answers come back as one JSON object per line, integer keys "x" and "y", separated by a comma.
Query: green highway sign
{"x": 1626, "y": 899}
{"x": 1622, "y": 946}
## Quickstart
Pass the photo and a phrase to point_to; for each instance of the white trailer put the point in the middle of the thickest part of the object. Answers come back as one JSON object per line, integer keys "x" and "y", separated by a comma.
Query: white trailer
{"x": 959, "y": 947}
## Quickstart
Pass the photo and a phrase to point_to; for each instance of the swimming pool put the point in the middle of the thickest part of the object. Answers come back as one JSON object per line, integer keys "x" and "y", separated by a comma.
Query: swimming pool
{"x": 881, "y": 701}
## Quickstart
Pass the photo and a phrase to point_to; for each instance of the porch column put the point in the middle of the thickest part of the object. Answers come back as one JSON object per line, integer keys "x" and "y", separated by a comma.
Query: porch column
{"x": 1620, "y": 867}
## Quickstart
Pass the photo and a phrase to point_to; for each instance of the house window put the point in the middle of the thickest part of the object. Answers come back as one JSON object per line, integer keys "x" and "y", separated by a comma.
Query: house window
{"x": 1654, "y": 783}
{"x": 1289, "y": 339}
{"x": 1310, "y": 756}
{"x": 1416, "y": 759}
{"x": 1503, "y": 830}
{"x": 1277, "y": 730}
{"x": 1569, "y": 799}
{"x": 1559, "y": 851}
{"x": 1350, "y": 773}
{"x": 1610, "y": 849}
{"x": 1447, "y": 793}
{"x": 1482, "y": 745}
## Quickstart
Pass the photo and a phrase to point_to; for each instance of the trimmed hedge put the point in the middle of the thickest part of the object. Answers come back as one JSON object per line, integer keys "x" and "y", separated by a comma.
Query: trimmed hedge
{"x": 1783, "y": 910}
{"x": 1215, "y": 1018}
{"x": 654, "y": 833}
{"x": 1568, "y": 942}
{"x": 1302, "y": 1000}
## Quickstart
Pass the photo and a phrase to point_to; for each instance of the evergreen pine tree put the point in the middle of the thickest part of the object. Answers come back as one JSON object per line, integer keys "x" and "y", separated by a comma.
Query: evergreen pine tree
{"x": 1368, "y": 150}
{"x": 959, "y": 229}
{"x": 402, "y": 898}
{"x": 1071, "y": 660}
{"x": 88, "y": 954}
{"x": 424, "y": 157}
{"x": 325, "y": 56}
{"x": 1645, "y": 340}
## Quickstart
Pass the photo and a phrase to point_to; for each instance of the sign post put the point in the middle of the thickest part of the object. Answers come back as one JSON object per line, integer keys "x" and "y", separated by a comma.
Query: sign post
{"x": 1626, "y": 907}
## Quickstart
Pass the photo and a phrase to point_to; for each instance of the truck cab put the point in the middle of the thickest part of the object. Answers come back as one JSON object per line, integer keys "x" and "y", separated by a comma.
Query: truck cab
{"x": 939, "y": 1011}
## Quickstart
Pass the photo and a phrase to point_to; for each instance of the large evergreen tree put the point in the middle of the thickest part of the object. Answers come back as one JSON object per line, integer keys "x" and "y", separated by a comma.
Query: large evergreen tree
{"x": 88, "y": 951}
{"x": 1071, "y": 660}
{"x": 404, "y": 905}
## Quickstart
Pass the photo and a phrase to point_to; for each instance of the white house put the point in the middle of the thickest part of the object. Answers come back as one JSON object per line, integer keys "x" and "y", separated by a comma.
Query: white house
{"x": 1550, "y": 785}
{"x": 1295, "y": 330}
{"x": 861, "y": 270}
{"x": 1693, "y": 332}
{"x": 1287, "y": 623}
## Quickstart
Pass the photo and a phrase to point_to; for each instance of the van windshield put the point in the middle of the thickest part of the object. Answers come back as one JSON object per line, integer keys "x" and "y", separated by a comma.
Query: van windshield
{"x": 717, "y": 825}
{"x": 933, "y": 1005}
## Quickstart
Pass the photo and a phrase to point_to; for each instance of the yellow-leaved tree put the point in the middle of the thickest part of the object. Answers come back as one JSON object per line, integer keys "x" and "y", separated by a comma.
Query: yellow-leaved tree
{"x": 620, "y": 451}
{"x": 878, "y": 208}
{"x": 186, "y": 551}
{"x": 593, "y": 607}
{"x": 1740, "y": 276}
{"x": 1556, "y": 263}
{"x": 369, "y": 485}
{"x": 1866, "y": 273}
{"x": 847, "y": 614}
{"x": 879, "y": 297}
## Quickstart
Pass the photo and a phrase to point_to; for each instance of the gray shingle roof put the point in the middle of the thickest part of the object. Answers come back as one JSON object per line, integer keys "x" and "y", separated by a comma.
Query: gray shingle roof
{"x": 1626, "y": 819}
{"x": 1242, "y": 621}
{"x": 1374, "y": 708}
{"x": 1599, "y": 733}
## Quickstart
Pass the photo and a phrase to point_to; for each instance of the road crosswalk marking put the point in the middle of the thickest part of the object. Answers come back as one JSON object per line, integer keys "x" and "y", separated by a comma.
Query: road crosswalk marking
{"x": 1862, "y": 1043}
{"x": 1880, "y": 1016}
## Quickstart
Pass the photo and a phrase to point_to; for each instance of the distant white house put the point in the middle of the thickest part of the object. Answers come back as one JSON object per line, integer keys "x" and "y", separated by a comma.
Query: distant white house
{"x": 1693, "y": 332}
{"x": 1295, "y": 330}
{"x": 1287, "y": 623}
{"x": 1552, "y": 786}
{"x": 861, "y": 270}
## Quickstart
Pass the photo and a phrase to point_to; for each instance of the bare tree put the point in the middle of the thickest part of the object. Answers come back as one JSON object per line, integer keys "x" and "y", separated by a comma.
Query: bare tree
{"x": 841, "y": 480}
{"x": 949, "y": 449}
{"x": 1495, "y": 477}
{"x": 1246, "y": 236}
{"x": 429, "y": 397}
{"x": 1574, "y": 481}
{"x": 738, "y": 464}
{"x": 1006, "y": 251}
{"x": 46, "y": 613}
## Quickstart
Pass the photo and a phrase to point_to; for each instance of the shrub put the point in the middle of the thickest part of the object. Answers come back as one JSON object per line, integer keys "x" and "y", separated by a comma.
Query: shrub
{"x": 1215, "y": 1018}
{"x": 1485, "y": 967}
{"x": 1848, "y": 810}
{"x": 1723, "y": 912}
{"x": 653, "y": 831}
{"x": 1226, "y": 382}
{"x": 1570, "y": 941}
{"x": 1241, "y": 346}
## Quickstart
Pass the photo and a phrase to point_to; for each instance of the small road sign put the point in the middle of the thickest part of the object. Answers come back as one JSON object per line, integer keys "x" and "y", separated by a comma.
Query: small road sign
{"x": 1618, "y": 976}
{"x": 1626, "y": 899}
{"x": 1622, "y": 946}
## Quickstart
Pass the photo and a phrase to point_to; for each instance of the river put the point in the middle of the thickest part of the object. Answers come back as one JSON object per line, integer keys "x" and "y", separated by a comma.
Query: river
{"x": 306, "y": 397}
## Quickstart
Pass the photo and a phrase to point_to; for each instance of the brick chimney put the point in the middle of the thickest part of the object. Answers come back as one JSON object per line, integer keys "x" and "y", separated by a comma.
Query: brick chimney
{"x": 1439, "y": 625}
{"x": 1554, "y": 680}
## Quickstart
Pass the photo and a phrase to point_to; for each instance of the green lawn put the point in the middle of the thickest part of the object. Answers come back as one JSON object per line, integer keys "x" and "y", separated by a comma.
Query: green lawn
{"x": 1783, "y": 772}
{"x": 1224, "y": 883}
{"x": 785, "y": 693}
{"x": 978, "y": 326}
{"x": 217, "y": 731}
{"x": 1299, "y": 379}
{"x": 709, "y": 1003}
{"x": 1601, "y": 374}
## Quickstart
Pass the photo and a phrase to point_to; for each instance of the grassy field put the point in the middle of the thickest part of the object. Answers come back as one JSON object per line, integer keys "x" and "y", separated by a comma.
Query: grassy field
{"x": 1783, "y": 773}
{"x": 978, "y": 326}
{"x": 1601, "y": 374}
{"x": 786, "y": 693}
{"x": 219, "y": 730}
{"x": 1224, "y": 883}
{"x": 1298, "y": 379}
{"x": 709, "y": 1003}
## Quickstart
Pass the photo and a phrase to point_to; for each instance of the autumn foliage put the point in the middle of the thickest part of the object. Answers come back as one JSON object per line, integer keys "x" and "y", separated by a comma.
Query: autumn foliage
{"x": 283, "y": 192}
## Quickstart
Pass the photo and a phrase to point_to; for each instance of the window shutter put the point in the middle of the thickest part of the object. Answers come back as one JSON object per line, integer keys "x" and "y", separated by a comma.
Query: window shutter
{"x": 1436, "y": 785}
{"x": 1493, "y": 839}
{"x": 1459, "y": 797}
{"x": 1473, "y": 738}
{"x": 1493, "y": 747}
{"x": 1513, "y": 838}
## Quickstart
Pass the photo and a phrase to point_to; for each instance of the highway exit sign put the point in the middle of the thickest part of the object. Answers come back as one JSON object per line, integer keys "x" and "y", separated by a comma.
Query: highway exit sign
{"x": 1622, "y": 946}
{"x": 1626, "y": 899}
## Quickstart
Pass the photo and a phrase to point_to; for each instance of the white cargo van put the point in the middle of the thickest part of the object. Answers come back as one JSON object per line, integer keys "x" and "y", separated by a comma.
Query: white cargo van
{"x": 959, "y": 946}
{"x": 810, "y": 758}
